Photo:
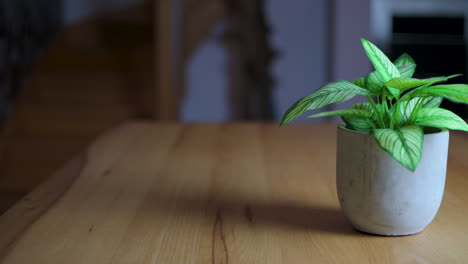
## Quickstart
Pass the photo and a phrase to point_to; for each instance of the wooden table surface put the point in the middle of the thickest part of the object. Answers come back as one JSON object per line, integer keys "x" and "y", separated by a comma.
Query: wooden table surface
{"x": 216, "y": 193}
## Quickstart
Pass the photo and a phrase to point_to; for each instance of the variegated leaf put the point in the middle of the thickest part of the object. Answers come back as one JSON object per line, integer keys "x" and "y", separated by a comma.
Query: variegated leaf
{"x": 358, "y": 123}
{"x": 404, "y": 59}
{"x": 433, "y": 101}
{"x": 403, "y": 144}
{"x": 361, "y": 82}
{"x": 404, "y": 84}
{"x": 375, "y": 83}
{"x": 384, "y": 67}
{"x": 438, "y": 117}
{"x": 407, "y": 71}
{"x": 349, "y": 112}
{"x": 336, "y": 92}
{"x": 454, "y": 92}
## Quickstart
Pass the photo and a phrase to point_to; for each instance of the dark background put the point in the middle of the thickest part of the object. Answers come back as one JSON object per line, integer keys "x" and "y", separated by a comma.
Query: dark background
{"x": 315, "y": 41}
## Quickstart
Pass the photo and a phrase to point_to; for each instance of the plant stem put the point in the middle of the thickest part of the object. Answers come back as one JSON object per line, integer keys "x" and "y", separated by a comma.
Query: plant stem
{"x": 385, "y": 111}
{"x": 398, "y": 115}
{"x": 395, "y": 115}
{"x": 371, "y": 123}
{"x": 372, "y": 103}
{"x": 406, "y": 108}
{"x": 386, "y": 104}
{"x": 415, "y": 110}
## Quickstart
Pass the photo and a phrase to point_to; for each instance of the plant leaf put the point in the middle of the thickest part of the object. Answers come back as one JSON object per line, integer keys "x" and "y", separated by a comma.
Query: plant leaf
{"x": 335, "y": 92}
{"x": 403, "y": 144}
{"x": 349, "y": 112}
{"x": 375, "y": 83}
{"x": 404, "y": 84}
{"x": 364, "y": 106}
{"x": 403, "y": 60}
{"x": 361, "y": 82}
{"x": 371, "y": 82}
{"x": 393, "y": 91}
{"x": 457, "y": 93}
{"x": 433, "y": 101}
{"x": 384, "y": 67}
{"x": 407, "y": 71}
{"x": 406, "y": 108}
{"x": 438, "y": 117}
{"x": 358, "y": 124}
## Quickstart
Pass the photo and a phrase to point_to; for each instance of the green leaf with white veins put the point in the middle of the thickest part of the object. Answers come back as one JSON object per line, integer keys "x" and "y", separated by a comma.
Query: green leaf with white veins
{"x": 407, "y": 107}
{"x": 364, "y": 106}
{"x": 403, "y": 144}
{"x": 404, "y": 84}
{"x": 438, "y": 117}
{"x": 384, "y": 67}
{"x": 349, "y": 112}
{"x": 375, "y": 83}
{"x": 371, "y": 82}
{"x": 361, "y": 82}
{"x": 405, "y": 65}
{"x": 407, "y": 71}
{"x": 358, "y": 124}
{"x": 331, "y": 93}
{"x": 404, "y": 59}
{"x": 362, "y": 124}
{"x": 394, "y": 92}
{"x": 457, "y": 93}
{"x": 433, "y": 101}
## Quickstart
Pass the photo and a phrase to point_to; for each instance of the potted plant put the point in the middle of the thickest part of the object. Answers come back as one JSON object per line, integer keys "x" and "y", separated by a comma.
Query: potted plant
{"x": 392, "y": 149}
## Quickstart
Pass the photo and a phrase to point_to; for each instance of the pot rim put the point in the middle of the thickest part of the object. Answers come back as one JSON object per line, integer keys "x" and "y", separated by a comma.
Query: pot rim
{"x": 342, "y": 126}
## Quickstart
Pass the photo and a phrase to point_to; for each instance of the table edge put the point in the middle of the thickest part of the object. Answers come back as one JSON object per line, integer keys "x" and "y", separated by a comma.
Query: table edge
{"x": 26, "y": 211}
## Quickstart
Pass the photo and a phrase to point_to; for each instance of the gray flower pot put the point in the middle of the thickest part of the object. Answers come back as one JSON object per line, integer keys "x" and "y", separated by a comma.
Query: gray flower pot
{"x": 380, "y": 196}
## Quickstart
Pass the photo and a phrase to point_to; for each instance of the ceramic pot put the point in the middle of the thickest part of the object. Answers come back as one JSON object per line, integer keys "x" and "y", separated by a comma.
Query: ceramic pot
{"x": 380, "y": 196}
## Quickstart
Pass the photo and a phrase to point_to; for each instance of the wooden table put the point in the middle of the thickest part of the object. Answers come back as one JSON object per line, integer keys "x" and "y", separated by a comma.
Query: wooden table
{"x": 209, "y": 193}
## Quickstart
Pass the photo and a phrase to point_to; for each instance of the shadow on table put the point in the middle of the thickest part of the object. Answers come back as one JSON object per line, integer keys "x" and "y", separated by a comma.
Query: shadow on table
{"x": 306, "y": 218}
{"x": 282, "y": 215}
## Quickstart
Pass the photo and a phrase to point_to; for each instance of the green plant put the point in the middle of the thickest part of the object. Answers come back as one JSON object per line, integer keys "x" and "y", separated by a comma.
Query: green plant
{"x": 398, "y": 107}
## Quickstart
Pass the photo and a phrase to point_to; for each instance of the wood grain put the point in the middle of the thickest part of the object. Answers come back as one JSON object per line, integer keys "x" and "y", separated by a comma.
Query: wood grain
{"x": 216, "y": 193}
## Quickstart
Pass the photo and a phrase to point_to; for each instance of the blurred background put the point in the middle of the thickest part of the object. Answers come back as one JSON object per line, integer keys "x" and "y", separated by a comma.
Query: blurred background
{"x": 71, "y": 69}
